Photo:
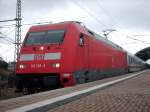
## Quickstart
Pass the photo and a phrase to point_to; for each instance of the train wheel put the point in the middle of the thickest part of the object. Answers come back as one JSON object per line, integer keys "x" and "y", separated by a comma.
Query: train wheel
{"x": 25, "y": 91}
{"x": 28, "y": 89}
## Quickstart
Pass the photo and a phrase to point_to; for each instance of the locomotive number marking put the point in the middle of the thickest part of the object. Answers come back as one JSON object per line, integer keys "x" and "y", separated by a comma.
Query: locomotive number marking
{"x": 37, "y": 65}
{"x": 38, "y": 56}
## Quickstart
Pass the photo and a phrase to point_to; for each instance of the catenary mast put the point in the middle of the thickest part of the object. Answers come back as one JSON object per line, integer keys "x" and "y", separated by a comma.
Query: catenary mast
{"x": 18, "y": 30}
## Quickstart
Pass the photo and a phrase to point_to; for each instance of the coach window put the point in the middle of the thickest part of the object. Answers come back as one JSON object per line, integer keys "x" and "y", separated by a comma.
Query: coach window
{"x": 81, "y": 40}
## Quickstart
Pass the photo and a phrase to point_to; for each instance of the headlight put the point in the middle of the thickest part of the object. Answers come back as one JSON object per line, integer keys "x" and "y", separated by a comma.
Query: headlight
{"x": 56, "y": 65}
{"x": 42, "y": 48}
{"x": 21, "y": 66}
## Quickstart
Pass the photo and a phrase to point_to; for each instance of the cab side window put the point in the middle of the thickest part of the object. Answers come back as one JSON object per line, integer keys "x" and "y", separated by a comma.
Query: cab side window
{"x": 81, "y": 40}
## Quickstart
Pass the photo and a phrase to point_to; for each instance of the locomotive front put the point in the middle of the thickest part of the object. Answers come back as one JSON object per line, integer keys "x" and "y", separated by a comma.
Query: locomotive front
{"x": 41, "y": 61}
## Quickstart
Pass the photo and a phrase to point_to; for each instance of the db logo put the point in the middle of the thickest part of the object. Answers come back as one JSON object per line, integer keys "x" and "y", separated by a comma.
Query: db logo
{"x": 38, "y": 56}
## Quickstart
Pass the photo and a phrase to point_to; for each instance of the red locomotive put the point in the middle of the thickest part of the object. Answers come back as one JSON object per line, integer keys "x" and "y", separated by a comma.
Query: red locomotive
{"x": 65, "y": 54}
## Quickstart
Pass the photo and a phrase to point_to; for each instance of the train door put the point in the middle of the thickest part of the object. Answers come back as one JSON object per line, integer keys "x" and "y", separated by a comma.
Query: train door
{"x": 84, "y": 42}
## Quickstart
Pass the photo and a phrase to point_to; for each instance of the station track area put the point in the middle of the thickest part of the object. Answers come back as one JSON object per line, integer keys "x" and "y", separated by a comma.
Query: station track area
{"x": 130, "y": 94}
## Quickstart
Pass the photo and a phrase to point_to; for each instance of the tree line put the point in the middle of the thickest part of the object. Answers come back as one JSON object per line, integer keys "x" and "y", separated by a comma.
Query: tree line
{"x": 3, "y": 69}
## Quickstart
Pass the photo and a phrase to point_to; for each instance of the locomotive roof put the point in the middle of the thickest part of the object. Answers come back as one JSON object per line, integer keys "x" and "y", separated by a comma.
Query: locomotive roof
{"x": 66, "y": 23}
{"x": 104, "y": 39}
{"x": 46, "y": 26}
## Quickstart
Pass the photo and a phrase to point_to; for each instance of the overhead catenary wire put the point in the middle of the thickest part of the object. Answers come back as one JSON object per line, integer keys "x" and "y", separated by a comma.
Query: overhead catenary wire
{"x": 107, "y": 14}
{"x": 128, "y": 43}
{"x": 38, "y": 23}
{"x": 8, "y": 32}
{"x": 6, "y": 26}
{"x": 90, "y": 14}
{"x": 6, "y": 38}
{"x": 5, "y": 51}
{"x": 144, "y": 42}
{"x": 26, "y": 24}
{"x": 9, "y": 20}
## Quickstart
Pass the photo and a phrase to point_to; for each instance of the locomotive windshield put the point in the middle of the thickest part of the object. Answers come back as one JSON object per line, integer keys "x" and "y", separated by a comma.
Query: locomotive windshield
{"x": 47, "y": 37}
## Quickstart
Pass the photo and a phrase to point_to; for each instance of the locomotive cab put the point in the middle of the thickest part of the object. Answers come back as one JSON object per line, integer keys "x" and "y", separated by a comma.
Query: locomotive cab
{"x": 45, "y": 59}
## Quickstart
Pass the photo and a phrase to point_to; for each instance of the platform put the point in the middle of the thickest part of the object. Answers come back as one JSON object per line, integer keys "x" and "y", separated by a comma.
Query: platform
{"x": 124, "y": 93}
{"x": 132, "y": 95}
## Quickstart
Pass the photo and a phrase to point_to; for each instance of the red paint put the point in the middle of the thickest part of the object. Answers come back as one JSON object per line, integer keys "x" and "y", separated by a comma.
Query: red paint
{"x": 93, "y": 55}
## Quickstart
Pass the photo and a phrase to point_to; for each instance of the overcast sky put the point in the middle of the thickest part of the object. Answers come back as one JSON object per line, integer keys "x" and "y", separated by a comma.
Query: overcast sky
{"x": 130, "y": 18}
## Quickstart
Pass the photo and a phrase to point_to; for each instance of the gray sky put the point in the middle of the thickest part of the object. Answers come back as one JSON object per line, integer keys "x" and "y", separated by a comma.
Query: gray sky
{"x": 128, "y": 17}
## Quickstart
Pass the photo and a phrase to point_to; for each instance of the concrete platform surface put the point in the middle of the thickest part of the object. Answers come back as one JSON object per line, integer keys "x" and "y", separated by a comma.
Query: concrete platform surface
{"x": 118, "y": 98}
{"x": 132, "y": 95}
